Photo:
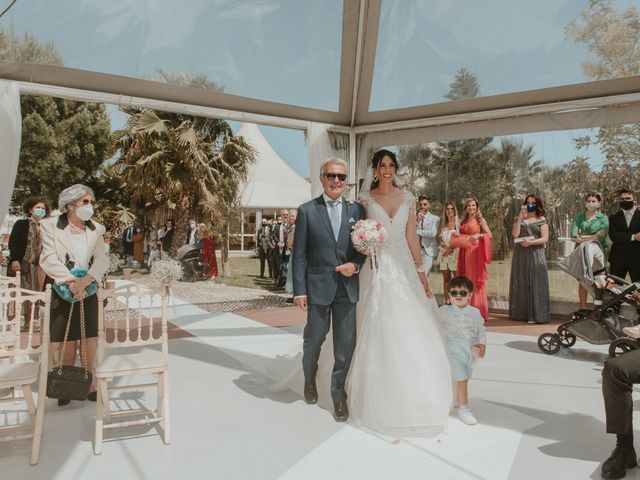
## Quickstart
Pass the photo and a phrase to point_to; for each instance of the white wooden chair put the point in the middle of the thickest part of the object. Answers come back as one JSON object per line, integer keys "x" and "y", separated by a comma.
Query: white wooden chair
{"x": 24, "y": 361}
{"x": 128, "y": 318}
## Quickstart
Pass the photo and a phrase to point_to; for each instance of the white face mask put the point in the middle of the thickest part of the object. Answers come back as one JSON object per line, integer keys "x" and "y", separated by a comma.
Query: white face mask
{"x": 592, "y": 205}
{"x": 85, "y": 212}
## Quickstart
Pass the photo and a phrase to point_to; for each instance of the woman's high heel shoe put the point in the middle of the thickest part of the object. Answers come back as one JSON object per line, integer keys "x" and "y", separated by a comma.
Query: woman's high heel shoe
{"x": 93, "y": 396}
{"x": 63, "y": 401}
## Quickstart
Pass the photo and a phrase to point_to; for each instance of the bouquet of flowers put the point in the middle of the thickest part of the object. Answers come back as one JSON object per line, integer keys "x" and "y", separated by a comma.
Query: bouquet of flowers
{"x": 367, "y": 235}
{"x": 166, "y": 271}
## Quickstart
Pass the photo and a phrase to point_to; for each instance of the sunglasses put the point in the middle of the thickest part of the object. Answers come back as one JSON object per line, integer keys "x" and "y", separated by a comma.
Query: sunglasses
{"x": 450, "y": 209}
{"x": 86, "y": 201}
{"x": 332, "y": 176}
{"x": 458, "y": 293}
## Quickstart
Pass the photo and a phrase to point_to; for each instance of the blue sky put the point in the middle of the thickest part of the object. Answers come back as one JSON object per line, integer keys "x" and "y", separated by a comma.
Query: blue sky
{"x": 289, "y": 50}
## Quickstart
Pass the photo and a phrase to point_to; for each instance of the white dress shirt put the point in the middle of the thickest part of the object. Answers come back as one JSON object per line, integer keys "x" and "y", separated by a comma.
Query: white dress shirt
{"x": 628, "y": 215}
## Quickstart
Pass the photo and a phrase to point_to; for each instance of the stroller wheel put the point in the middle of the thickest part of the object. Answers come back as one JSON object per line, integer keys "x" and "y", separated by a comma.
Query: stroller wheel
{"x": 566, "y": 338}
{"x": 549, "y": 343}
{"x": 621, "y": 346}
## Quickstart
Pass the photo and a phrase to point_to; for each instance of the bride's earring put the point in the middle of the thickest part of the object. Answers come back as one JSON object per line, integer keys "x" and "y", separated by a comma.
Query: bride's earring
{"x": 375, "y": 178}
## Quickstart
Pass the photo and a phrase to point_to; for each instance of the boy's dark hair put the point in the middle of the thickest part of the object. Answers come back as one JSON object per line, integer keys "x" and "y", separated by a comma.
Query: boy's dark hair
{"x": 461, "y": 281}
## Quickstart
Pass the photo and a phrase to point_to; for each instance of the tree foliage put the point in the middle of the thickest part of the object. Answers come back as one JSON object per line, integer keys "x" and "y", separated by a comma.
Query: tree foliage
{"x": 63, "y": 142}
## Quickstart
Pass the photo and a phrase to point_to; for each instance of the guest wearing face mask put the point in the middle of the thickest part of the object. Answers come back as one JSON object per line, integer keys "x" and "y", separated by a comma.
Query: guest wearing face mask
{"x": 624, "y": 232}
{"x": 529, "y": 281}
{"x": 25, "y": 247}
{"x": 192, "y": 234}
{"x": 590, "y": 225}
{"x": 73, "y": 240}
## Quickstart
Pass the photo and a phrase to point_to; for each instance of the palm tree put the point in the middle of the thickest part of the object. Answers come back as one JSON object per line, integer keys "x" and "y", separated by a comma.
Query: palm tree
{"x": 464, "y": 85}
{"x": 183, "y": 162}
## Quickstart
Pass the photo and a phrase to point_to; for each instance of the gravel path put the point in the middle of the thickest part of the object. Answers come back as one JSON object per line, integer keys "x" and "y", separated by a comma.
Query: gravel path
{"x": 215, "y": 297}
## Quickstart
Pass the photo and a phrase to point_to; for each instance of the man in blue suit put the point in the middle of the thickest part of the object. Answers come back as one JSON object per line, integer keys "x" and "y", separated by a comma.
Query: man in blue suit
{"x": 325, "y": 280}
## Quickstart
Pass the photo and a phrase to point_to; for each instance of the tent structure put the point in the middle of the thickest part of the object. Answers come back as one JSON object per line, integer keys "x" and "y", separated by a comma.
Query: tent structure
{"x": 271, "y": 185}
{"x": 377, "y": 64}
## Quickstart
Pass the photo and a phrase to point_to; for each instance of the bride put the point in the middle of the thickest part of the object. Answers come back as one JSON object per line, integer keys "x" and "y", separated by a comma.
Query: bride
{"x": 399, "y": 382}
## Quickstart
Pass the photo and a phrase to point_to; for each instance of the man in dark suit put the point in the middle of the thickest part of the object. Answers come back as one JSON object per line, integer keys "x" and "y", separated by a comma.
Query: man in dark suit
{"x": 624, "y": 231}
{"x": 277, "y": 238}
{"x": 127, "y": 242}
{"x": 167, "y": 239}
{"x": 262, "y": 246}
{"x": 325, "y": 284}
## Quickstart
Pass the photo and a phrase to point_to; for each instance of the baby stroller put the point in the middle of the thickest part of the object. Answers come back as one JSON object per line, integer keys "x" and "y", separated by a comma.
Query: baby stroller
{"x": 603, "y": 324}
{"x": 193, "y": 268}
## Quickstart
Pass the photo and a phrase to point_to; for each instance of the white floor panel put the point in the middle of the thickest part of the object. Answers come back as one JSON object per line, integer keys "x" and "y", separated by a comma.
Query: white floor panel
{"x": 540, "y": 417}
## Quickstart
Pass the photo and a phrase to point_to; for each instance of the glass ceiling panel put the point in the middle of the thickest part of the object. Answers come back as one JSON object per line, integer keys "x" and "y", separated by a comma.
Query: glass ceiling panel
{"x": 508, "y": 45}
{"x": 275, "y": 50}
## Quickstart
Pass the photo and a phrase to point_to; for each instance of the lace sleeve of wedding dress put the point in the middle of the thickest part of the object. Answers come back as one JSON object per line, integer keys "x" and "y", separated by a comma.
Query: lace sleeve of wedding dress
{"x": 410, "y": 200}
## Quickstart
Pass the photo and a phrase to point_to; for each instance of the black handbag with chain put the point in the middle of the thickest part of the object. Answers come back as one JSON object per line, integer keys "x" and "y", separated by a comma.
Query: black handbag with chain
{"x": 68, "y": 381}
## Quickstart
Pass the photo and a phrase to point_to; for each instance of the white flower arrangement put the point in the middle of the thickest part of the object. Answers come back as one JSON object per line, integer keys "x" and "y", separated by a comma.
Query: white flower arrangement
{"x": 114, "y": 262}
{"x": 166, "y": 271}
{"x": 367, "y": 235}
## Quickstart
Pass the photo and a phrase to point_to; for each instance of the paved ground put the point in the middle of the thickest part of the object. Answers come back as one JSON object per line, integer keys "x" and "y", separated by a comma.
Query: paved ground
{"x": 271, "y": 308}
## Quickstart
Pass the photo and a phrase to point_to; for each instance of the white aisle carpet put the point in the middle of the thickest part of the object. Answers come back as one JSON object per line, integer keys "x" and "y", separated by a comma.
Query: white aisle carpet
{"x": 540, "y": 417}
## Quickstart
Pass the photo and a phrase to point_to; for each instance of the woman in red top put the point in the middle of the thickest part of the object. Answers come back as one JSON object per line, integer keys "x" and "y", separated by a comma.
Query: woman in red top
{"x": 474, "y": 242}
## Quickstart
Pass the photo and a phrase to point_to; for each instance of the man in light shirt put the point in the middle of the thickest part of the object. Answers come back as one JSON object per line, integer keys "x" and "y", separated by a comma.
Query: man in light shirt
{"x": 427, "y": 229}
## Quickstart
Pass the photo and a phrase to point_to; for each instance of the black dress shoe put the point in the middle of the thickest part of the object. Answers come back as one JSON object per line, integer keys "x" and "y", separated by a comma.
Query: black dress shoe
{"x": 63, "y": 401}
{"x": 616, "y": 465}
{"x": 342, "y": 412}
{"x": 310, "y": 393}
{"x": 93, "y": 396}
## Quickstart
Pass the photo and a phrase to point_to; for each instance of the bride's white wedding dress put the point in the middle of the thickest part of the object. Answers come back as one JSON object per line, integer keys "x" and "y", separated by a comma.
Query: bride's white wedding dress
{"x": 399, "y": 382}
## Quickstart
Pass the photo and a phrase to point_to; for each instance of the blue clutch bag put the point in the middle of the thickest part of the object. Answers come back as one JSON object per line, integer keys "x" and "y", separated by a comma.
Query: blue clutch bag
{"x": 64, "y": 292}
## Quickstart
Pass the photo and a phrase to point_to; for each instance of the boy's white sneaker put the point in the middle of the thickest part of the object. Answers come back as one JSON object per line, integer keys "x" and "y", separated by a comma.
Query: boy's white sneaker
{"x": 466, "y": 416}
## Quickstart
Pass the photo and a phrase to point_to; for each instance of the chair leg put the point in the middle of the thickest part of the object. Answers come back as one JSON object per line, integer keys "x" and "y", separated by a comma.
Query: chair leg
{"x": 166, "y": 424}
{"x": 97, "y": 437}
{"x": 28, "y": 398}
{"x": 38, "y": 426}
{"x": 103, "y": 390}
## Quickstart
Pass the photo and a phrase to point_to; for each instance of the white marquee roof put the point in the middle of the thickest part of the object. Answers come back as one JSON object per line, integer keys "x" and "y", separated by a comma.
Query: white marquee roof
{"x": 271, "y": 183}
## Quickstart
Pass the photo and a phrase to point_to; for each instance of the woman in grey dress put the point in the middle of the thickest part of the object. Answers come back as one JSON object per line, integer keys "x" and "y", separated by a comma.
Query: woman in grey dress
{"x": 529, "y": 283}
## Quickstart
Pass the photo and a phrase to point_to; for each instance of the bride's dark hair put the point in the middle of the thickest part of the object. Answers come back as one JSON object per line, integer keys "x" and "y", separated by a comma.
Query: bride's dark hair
{"x": 377, "y": 158}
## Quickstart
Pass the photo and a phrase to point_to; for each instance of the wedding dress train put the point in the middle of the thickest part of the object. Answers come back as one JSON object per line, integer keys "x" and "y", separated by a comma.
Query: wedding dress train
{"x": 399, "y": 383}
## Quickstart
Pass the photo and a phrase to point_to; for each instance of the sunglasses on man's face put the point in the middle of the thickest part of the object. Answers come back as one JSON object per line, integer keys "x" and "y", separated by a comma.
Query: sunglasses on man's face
{"x": 458, "y": 293}
{"x": 332, "y": 176}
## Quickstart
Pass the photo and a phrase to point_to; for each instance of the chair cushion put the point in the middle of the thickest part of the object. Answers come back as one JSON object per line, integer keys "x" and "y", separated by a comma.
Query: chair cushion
{"x": 19, "y": 372}
{"x": 131, "y": 361}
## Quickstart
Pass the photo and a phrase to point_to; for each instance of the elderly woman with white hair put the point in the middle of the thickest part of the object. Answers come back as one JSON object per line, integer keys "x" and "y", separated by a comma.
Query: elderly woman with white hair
{"x": 74, "y": 241}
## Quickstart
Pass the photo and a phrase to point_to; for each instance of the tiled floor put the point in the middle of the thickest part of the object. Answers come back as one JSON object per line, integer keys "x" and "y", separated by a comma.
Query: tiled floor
{"x": 540, "y": 417}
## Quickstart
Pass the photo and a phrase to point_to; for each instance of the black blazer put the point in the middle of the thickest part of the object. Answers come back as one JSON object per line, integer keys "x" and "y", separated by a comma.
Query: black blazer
{"x": 18, "y": 240}
{"x": 316, "y": 253}
{"x": 167, "y": 240}
{"x": 623, "y": 249}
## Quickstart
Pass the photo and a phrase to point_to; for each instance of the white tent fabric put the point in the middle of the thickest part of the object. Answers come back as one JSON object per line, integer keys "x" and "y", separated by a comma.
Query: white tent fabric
{"x": 10, "y": 136}
{"x": 319, "y": 150}
{"x": 271, "y": 183}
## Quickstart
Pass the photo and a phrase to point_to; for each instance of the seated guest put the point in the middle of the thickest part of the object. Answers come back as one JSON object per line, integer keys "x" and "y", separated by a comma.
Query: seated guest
{"x": 618, "y": 377}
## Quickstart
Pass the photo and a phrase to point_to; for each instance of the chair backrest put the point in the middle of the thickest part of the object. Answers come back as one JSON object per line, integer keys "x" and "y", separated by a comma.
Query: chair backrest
{"x": 14, "y": 303}
{"x": 131, "y": 316}
{"x": 6, "y": 282}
